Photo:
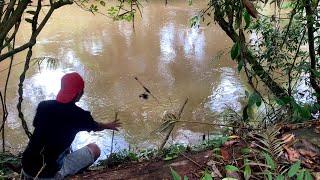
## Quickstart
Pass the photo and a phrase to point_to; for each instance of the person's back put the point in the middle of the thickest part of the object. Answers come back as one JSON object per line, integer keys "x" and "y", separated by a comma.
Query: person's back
{"x": 56, "y": 124}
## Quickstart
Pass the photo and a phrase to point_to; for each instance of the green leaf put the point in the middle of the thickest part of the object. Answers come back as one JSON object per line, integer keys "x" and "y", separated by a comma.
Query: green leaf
{"x": 235, "y": 50}
{"x": 314, "y": 3}
{"x": 305, "y": 112}
{"x": 269, "y": 175}
{"x": 247, "y": 93}
{"x": 287, "y": 5}
{"x": 31, "y": 12}
{"x": 216, "y": 150}
{"x": 283, "y": 101}
{"x": 258, "y": 100}
{"x": 231, "y": 168}
{"x": 29, "y": 20}
{"x": 269, "y": 161}
{"x": 250, "y": 112}
{"x": 307, "y": 175}
{"x": 102, "y": 3}
{"x": 167, "y": 158}
{"x": 294, "y": 169}
{"x": 247, "y": 172}
{"x": 280, "y": 177}
{"x": 237, "y": 23}
{"x": 175, "y": 175}
{"x": 316, "y": 73}
{"x": 240, "y": 65}
{"x": 300, "y": 176}
{"x": 245, "y": 151}
{"x": 194, "y": 21}
{"x": 207, "y": 176}
{"x": 254, "y": 99}
{"x": 247, "y": 19}
{"x": 190, "y": 2}
{"x": 185, "y": 178}
{"x": 245, "y": 115}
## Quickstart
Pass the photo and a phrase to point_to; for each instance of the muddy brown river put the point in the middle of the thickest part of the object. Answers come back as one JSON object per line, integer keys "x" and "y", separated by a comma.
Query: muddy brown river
{"x": 173, "y": 60}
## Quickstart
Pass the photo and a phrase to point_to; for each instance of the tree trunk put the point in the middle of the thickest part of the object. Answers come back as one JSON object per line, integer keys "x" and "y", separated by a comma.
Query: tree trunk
{"x": 312, "y": 53}
{"x": 273, "y": 86}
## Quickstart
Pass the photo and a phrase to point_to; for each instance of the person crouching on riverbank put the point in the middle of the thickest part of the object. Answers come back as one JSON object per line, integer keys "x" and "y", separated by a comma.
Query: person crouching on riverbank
{"x": 56, "y": 124}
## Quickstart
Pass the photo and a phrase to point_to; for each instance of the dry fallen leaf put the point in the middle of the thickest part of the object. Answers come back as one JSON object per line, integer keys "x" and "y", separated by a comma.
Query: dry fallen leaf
{"x": 215, "y": 171}
{"x": 288, "y": 138}
{"x": 317, "y": 129}
{"x": 307, "y": 153}
{"x": 250, "y": 8}
{"x": 293, "y": 155}
{"x": 225, "y": 154}
{"x": 316, "y": 175}
{"x": 234, "y": 137}
{"x": 233, "y": 174}
{"x": 230, "y": 143}
{"x": 309, "y": 146}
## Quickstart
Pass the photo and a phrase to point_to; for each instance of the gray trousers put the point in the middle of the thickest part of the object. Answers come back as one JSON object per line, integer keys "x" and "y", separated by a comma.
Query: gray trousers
{"x": 71, "y": 164}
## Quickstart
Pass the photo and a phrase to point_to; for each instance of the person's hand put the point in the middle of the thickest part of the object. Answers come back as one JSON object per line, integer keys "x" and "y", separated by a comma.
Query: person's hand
{"x": 114, "y": 125}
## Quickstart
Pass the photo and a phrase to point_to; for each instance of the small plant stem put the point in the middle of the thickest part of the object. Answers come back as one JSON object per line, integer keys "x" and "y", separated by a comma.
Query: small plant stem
{"x": 115, "y": 118}
{"x": 172, "y": 127}
{"x": 44, "y": 165}
{"x": 146, "y": 89}
{"x": 212, "y": 124}
{"x": 191, "y": 160}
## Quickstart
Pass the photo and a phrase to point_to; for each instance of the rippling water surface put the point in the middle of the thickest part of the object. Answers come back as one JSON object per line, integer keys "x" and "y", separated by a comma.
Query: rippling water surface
{"x": 173, "y": 60}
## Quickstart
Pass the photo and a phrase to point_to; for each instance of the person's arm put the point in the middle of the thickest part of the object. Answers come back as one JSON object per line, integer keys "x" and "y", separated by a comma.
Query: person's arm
{"x": 86, "y": 123}
{"x": 114, "y": 125}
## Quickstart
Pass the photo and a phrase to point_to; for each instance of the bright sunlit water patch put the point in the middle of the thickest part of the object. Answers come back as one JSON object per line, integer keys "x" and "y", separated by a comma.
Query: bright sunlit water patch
{"x": 93, "y": 45}
{"x": 103, "y": 139}
{"x": 186, "y": 137}
{"x": 167, "y": 43}
{"x": 194, "y": 43}
{"x": 47, "y": 83}
{"x": 165, "y": 73}
{"x": 228, "y": 93}
{"x": 304, "y": 93}
{"x": 126, "y": 31}
{"x": 167, "y": 52}
{"x": 71, "y": 58}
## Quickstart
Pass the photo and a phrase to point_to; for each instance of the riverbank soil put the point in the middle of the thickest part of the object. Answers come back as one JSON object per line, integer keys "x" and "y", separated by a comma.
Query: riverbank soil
{"x": 300, "y": 144}
{"x": 283, "y": 150}
{"x": 189, "y": 164}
